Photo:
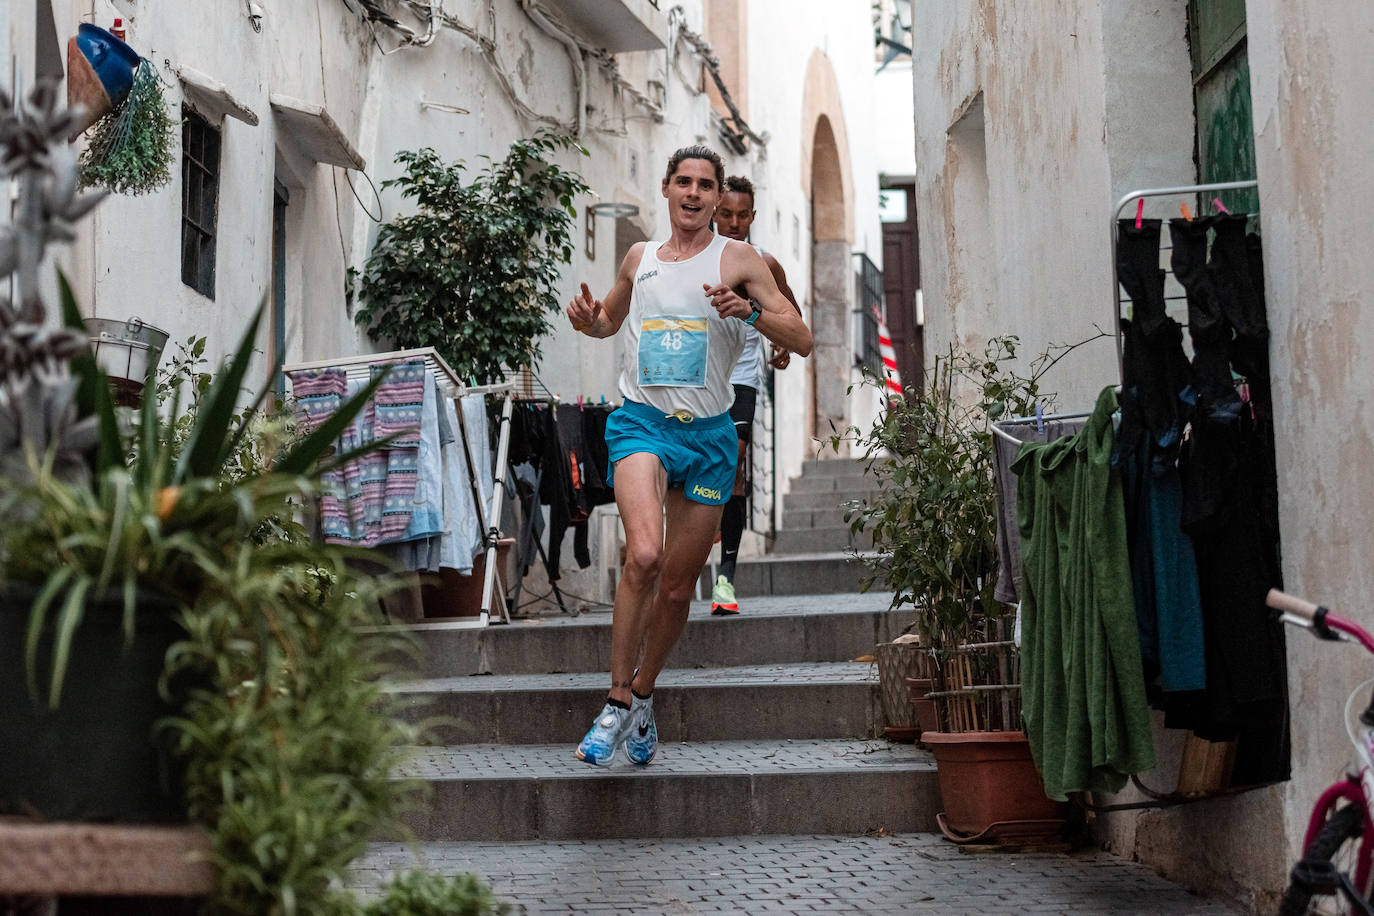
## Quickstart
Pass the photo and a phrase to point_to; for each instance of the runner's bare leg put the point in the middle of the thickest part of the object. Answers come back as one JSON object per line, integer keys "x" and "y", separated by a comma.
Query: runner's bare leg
{"x": 690, "y": 530}
{"x": 641, "y": 486}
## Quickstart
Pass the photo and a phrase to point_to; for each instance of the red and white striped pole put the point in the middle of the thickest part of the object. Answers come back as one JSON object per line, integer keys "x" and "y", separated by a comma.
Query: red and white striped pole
{"x": 893, "y": 378}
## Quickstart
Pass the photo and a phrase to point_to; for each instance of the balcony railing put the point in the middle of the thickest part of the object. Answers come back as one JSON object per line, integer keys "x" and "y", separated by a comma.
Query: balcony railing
{"x": 868, "y": 299}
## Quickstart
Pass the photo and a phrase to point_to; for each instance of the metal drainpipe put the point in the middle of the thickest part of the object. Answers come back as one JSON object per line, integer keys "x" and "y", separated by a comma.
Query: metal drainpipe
{"x": 574, "y": 52}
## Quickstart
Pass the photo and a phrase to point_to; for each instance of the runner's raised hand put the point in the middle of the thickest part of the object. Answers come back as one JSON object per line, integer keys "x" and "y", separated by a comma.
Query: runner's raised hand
{"x": 727, "y": 302}
{"x": 583, "y": 310}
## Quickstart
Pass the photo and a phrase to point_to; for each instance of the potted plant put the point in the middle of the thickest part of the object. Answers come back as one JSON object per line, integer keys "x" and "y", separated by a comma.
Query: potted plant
{"x": 933, "y": 525}
{"x": 157, "y": 591}
{"x": 474, "y": 272}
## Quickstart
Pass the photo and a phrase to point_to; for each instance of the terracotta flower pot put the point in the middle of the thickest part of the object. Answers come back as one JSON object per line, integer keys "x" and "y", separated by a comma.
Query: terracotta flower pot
{"x": 990, "y": 788}
{"x": 927, "y": 714}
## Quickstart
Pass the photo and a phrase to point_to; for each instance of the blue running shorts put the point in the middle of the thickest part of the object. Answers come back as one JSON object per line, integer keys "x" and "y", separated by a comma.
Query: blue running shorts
{"x": 699, "y": 455}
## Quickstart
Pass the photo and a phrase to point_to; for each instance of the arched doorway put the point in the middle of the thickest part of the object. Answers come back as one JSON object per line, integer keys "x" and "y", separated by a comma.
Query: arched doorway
{"x": 830, "y": 284}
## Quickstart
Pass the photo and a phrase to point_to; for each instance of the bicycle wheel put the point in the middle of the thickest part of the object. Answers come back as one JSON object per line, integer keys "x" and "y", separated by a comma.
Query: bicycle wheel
{"x": 1331, "y": 852}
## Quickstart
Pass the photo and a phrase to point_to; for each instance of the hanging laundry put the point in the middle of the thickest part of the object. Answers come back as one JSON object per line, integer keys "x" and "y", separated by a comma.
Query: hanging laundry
{"x": 1156, "y": 406}
{"x": 1230, "y": 501}
{"x": 1004, "y": 452}
{"x": 369, "y": 501}
{"x": 1082, "y": 685}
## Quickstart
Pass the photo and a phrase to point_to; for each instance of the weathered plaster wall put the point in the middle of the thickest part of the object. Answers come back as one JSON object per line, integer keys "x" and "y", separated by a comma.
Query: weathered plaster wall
{"x": 1031, "y": 75}
{"x": 1310, "y": 82}
{"x": 1031, "y": 122}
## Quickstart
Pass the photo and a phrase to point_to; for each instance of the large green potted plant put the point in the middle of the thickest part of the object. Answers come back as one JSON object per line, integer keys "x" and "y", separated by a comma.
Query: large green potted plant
{"x": 933, "y": 523}
{"x": 474, "y": 271}
{"x": 110, "y": 537}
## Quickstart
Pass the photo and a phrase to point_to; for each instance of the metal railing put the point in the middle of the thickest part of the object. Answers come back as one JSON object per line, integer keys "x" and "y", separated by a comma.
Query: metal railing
{"x": 868, "y": 301}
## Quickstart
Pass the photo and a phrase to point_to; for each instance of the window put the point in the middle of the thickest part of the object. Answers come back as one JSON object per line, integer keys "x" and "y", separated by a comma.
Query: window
{"x": 281, "y": 198}
{"x": 199, "y": 201}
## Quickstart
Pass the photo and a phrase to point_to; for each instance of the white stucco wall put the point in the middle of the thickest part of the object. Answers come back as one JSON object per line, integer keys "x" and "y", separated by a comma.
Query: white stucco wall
{"x": 128, "y": 259}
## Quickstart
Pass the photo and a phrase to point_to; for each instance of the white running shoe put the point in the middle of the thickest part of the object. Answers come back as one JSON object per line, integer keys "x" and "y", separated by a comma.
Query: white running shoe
{"x": 606, "y": 736}
{"x": 641, "y": 741}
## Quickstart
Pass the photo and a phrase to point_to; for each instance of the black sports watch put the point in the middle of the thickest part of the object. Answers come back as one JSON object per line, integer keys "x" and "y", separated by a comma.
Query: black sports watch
{"x": 754, "y": 315}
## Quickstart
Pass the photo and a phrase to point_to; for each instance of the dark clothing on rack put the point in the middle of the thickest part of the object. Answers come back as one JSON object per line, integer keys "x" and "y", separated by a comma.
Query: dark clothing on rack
{"x": 1230, "y": 500}
{"x": 567, "y": 444}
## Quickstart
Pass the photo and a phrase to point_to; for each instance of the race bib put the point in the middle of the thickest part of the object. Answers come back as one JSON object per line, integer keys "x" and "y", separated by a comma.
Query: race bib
{"x": 673, "y": 351}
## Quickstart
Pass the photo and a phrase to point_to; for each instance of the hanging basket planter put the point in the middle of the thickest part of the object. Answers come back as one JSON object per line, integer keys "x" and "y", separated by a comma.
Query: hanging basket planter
{"x": 130, "y": 149}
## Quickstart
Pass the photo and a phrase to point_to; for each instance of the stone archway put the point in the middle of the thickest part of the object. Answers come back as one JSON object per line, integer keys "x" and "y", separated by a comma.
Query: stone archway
{"x": 830, "y": 272}
{"x": 829, "y": 186}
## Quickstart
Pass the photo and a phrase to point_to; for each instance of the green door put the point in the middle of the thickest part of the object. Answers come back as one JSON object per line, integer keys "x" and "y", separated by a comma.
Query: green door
{"x": 1221, "y": 93}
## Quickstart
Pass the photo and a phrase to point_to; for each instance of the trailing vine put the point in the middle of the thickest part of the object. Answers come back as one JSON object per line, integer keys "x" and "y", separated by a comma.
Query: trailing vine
{"x": 474, "y": 271}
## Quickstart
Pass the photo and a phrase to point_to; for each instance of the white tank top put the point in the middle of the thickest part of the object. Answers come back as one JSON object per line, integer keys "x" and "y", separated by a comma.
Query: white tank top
{"x": 749, "y": 370}
{"x": 679, "y": 351}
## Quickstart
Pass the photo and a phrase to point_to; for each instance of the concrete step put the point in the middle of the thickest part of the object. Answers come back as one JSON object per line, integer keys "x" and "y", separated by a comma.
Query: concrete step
{"x": 505, "y": 793}
{"x": 834, "y": 700}
{"x": 831, "y": 483}
{"x": 820, "y": 540}
{"x": 772, "y": 630}
{"x": 826, "y": 499}
{"x": 813, "y": 467}
{"x": 812, "y": 518}
{"x": 796, "y": 574}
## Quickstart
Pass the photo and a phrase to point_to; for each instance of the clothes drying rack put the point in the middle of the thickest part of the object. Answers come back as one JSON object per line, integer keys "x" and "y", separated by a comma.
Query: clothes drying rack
{"x": 488, "y": 516}
{"x": 1154, "y": 799}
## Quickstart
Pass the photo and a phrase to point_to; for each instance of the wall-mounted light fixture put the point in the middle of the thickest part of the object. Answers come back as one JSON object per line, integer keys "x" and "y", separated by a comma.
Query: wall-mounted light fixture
{"x": 614, "y": 210}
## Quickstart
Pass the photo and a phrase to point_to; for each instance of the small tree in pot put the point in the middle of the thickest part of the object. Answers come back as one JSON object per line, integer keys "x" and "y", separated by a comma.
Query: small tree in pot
{"x": 934, "y": 525}
{"x": 474, "y": 272}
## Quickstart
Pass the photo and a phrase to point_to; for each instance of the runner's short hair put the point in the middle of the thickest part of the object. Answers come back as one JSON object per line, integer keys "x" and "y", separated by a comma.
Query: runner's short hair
{"x": 697, "y": 152}
{"x": 741, "y": 185}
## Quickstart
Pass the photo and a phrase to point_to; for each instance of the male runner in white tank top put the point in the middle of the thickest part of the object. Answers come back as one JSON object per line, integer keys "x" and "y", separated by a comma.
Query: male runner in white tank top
{"x": 672, "y": 445}
{"x": 734, "y": 218}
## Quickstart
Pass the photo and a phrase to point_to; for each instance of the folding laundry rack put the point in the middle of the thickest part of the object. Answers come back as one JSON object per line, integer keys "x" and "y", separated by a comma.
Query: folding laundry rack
{"x": 1111, "y": 234}
{"x": 488, "y": 517}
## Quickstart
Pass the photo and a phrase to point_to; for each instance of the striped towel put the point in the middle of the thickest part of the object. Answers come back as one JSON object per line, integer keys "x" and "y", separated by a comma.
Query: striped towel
{"x": 318, "y": 394}
{"x": 400, "y": 402}
{"x": 369, "y": 501}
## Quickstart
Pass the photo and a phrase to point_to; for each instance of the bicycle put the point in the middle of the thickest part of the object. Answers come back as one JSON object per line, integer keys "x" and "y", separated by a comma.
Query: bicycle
{"x": 1341, "y": 829}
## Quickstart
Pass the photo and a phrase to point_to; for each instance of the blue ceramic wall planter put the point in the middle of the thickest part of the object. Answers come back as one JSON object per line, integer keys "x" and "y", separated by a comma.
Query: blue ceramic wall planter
{"x": 100, "y": 72}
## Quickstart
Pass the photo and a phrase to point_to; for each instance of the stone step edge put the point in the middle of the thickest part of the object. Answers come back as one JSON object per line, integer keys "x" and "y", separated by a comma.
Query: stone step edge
{"x": 859, "y": 673}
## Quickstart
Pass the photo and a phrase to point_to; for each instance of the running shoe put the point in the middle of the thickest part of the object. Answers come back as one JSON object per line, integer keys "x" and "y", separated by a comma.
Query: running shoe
{"x": 641, "y": 743}
{"x": 606, "y": 736}
{"x": 723, "y": 598}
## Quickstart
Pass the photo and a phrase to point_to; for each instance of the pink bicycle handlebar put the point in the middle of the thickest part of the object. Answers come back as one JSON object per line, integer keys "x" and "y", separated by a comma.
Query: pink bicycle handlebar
{"x": 1318, "y": 618}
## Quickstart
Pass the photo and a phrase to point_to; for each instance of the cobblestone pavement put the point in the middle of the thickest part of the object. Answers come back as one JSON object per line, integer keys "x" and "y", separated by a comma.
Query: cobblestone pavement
{"x": 907, "y": 874}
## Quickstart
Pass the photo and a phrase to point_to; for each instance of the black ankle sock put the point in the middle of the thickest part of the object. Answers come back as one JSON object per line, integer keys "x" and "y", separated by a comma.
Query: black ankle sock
{"x": 617, "y": 703}
{"x": 640, "y": 696}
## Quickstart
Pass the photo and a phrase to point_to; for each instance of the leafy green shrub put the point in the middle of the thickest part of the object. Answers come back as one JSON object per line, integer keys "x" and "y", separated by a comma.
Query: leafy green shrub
{"x": 417, "y": 893}
{"x": 474, "y": 272}
{"x": 934, "y": 520}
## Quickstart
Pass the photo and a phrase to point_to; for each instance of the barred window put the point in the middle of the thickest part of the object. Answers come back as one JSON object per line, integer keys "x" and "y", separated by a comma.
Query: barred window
{"x": 199, "y": 201}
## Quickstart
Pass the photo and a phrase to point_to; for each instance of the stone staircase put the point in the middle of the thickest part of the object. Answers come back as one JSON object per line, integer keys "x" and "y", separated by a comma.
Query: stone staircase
{"x": 768, "y": 725}
{"x": 812, "y": 552}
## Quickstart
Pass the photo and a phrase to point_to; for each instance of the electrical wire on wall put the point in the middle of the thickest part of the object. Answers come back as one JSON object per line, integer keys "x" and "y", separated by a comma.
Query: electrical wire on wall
{"x": 580, "y": 53}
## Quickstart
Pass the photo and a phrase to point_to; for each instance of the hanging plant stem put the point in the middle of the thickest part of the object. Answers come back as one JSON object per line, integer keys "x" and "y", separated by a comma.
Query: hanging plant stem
{"x": 130, "y": 150}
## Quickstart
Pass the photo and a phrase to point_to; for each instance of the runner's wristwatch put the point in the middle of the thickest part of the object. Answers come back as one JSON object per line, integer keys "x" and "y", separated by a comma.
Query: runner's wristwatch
{"x": 754, "y": 315}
